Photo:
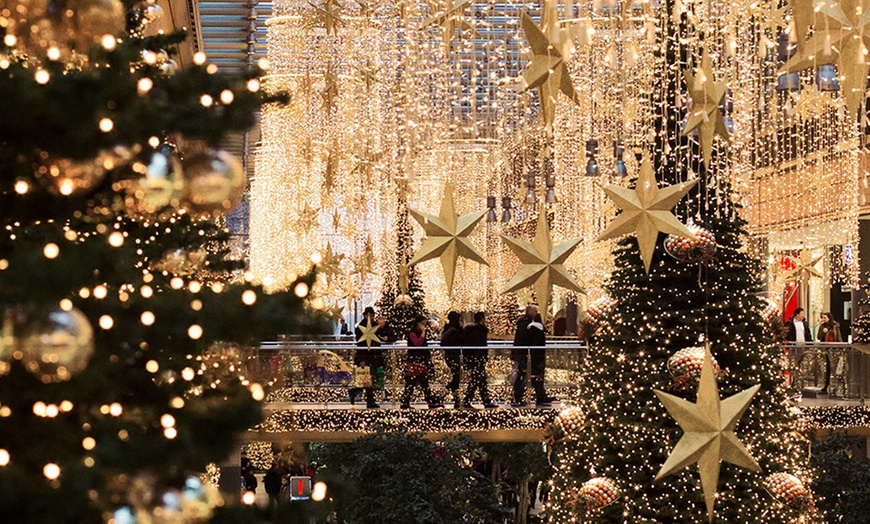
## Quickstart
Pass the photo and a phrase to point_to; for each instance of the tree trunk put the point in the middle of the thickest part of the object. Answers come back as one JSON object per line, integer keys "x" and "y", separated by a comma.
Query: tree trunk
{"x": 523, "y": 500}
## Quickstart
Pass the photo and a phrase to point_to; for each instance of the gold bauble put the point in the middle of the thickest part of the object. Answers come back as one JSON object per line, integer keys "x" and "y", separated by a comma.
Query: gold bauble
{"x": 214, "y": 183}
{"x": 54, "y": 343}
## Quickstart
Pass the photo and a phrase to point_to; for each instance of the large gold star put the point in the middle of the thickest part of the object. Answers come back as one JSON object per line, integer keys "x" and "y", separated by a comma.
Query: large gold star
{"x": 708, "y": 431}
{"x": 706, "y": 116}
{"x": 365, "y": 263}
{"x": 551, "y": 46}
{"x": 646, "y": 209}
{"x": 447, "y": 237}
{"x": 335, "y": 311}
{"x": 368, "y": 334}
{"x": 449, "y": 20}
{"x": 330, "y": 262}
{"x": 327, "y": 16}
{"x": 840, "y": 35}
{"x": 543, "y": 263}
{"x": 804, "y": 267}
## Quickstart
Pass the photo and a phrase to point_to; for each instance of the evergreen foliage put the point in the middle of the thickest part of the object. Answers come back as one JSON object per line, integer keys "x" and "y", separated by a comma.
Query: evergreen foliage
{"x": 628, "y": 434}
{"x": 842, "y": 484}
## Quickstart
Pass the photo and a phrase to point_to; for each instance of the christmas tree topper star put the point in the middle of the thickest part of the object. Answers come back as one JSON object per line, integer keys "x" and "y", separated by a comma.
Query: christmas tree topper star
{"x": 543, "y": 263}
{"x": 708, "y": 431}
{"x": 447, "y": 237}
{"x": 646, "y": 209}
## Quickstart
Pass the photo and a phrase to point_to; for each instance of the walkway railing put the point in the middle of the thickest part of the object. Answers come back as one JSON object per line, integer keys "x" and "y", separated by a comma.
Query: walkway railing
{"x": 322, "y": 371}
{"x": 835, "y": 369}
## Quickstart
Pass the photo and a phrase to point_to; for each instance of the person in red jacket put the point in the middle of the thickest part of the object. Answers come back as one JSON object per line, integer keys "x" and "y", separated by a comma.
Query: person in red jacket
{"x": 418, "y": 365}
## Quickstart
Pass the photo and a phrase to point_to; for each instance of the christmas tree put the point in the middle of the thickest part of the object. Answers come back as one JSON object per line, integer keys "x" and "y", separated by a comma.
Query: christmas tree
{"x": 402, "y": 297}
{"x": 124, "y": 367}
{"x": 613, "y": 444}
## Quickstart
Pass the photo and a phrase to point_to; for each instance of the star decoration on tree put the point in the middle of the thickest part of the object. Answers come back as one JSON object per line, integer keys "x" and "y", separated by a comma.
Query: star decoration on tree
{"x": 705, "y": 116}
{"x": 543, "y": 263}
{"x": 708, "y": 431}
{"x": 329, "y": 93}
{"x": 547, "y": 72}
{"x": 646, "y": 210}
{"x": 804, "y": 267}
{"x": 327, "y": 15}
{"x": 449, "y": 20}
{"x": 368, "y": 334}
{"x": 841, "y": 35}
{"x": 447, "y": 237}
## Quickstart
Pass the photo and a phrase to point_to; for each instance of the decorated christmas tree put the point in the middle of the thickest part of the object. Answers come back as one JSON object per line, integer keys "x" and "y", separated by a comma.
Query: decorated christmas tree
{"x": 124, "y": 353}
{"x": 402, "y": 297}
{"x": 650, "y": 438}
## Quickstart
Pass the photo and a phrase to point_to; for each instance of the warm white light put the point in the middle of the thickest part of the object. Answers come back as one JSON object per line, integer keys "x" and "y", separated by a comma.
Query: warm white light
{"x": 206, "y": 100}
{"x": 106, "y": 322}
{"x": 4, "y": 457}
{"x": 106, "y": 125}
{"x": 53, "y": 53}
{"x": 227, "y": 97}
{"x": 89, "y": 443}
{"x": 108, "y": 42}
{"x": 144, "y": 85}
{"x": 152, "y": 366}
{"x": 51, "y": 250}
{"x": 257, "y": 392}
{"x": 318, "y": 491}
{"x": 146, "y": 292}
{"x": 51, "y": 471}
{"x": 301, "y": 290}
{"x": 194, "y": 331}
{"x": 66, "y": 304}
{"x": 187, "y": 374}
{"x": 100, "y": 292}
{"x": 194, "y": 286}
{"x": 147, "y": 318}
{"x": 170, "y": 433}
{"x": 249, "y": 297}
{"x": 116, "y": 239}
{"x": 249, "y": 498}
{"x": 176, "y": 283}
{"x": 199, "y": 58}
{"x": 316, "y": 258}
{"x": 253, "y": 85}
{"x": 115, "y": 409}
{"x": 10, "y": 40}
{"x": 167, "y": 420}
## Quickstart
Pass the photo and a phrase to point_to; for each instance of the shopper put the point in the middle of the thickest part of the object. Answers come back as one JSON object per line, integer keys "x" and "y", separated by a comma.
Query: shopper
{"x": 368, "y": 355}
{"x": 798, "y": 328}
{"x": 453, "y": 336}
{"x": 530, "y": 340}
{"x": 829, "y": 330}
{"x": 273, "y": 481}
{"x": 476, "y": 335}
{"x": 418, "y": 365}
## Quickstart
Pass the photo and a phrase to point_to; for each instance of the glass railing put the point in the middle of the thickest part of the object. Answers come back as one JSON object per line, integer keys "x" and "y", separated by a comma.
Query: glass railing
{"x": 828, "y": 369}
{"x": 321, "y": 372}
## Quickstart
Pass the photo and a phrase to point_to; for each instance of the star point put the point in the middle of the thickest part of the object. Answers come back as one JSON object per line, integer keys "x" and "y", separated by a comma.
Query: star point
{"x": 646, "y": 209}
{"x": 543, "y": 263}
{"x": 447, "y": 237}
{"x": 708, "y": 431}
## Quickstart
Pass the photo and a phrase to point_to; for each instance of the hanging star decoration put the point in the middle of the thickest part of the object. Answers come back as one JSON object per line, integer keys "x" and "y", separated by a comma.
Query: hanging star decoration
{"x": 308, "y": 218}
{"x": 809, "y": 102}
{"x": 364, "y": 264}
{"x": 368, "y": 74}
{"x": 705, "y": 116}
{"x": 543, "y": 263}
{"x": 350, "y": 291}
{"x": 804, "y": 267}
{"x": 449, "y": 20}
{"x": 329, "y": 93}
{"x": 336, "y": 220}
{"x": 841, "y": 35}
{"x": 330, "y": 262}
{"x": 551, "y": 46}
{"x": 646, "y": 210}
{"x": 368, "y": 334}
{"x": 327, "y": 15}
{"x": 331, "y": 165}
{"x": 307, "y": 150}
{"x": 447, "y": 237}
{"x": 708, "y": 431}
{"x": 335, "y": 311}
{"x": 367, "y": 159}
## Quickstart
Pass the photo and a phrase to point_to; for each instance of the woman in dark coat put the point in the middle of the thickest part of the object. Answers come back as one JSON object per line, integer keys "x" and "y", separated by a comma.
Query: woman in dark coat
{"x": 418, "y": 365}
{"x": 453, "y": 336}
{"x": 369, "y": 354}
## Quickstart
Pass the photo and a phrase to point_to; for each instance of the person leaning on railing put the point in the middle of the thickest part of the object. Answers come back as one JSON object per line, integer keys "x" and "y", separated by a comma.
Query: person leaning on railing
{"x": 418, "y": 365}
{"x": 829, "y": 330}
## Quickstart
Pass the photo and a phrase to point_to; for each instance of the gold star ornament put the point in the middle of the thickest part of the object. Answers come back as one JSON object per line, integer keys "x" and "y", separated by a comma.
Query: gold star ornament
{"x": 368, "y": 334}
{"x": 547, "y": 72}
{"x": 543, "y": 264}
{"x": 447, "y": 237}
{"x": 451, "y": 19}
{"x": 646, "y": 210}
{"x": 804, "y": 267}
{"x": 705, "y": 116}
{"x": 708, "y": 432}
{"x": 840, "y": 35}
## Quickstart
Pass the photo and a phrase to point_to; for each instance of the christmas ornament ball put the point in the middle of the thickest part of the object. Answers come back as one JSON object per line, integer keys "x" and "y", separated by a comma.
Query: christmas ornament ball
{"x": 54, "y": 343}
{"x": 599, "y": 492}
{"x": 789, "y": 490}
{"x": 688, "y": 363}
{"x": 214, "y": 182}
{"x": 159, "y": 185}
{"x": 702, "y": 249}
{"x": 599, "y": 311}
{"x": 569, "y": 422}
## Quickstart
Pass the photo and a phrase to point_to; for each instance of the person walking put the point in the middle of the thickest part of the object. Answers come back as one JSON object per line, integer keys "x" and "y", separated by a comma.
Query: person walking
{"x": 530, "y": 340}
{"x": 418, "y": 365}
{"x": 476, "y": 335}
{"x": 453, "y": 336}
{"x": 273, "y": 481}
{"x": 798, "y": 328}
{"x": 829, "y": 330}
{"x": 368, "y": 355}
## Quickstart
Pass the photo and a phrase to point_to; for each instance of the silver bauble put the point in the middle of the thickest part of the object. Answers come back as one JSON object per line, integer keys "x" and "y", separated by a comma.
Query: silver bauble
{"x": 169, "y": 66}
{"x": 54, "y": 343}
{"x": 151, "y": 12}
{"x": 159, "y": 186}
{"x": 214, "y": 183}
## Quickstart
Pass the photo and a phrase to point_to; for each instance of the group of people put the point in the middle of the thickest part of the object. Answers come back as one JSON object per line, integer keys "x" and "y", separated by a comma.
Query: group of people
{"x": 797, "y": 329}
{"x": 465, "y": 348}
